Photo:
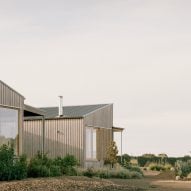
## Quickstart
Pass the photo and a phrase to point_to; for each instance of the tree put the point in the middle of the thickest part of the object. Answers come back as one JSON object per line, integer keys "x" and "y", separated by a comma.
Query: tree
{"x": 163, "y": 157}
{"x": 111, "y": 154}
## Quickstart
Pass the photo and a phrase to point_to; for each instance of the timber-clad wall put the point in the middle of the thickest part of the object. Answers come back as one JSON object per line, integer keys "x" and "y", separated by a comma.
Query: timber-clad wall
{"x": 104, "y": 138}
{"x": 102, "y": 120}
{"x": 102, "y": 117}
{"x": 10, "y": 98}
{"x": 32, "y": 137}
{"x": 62, "y": 136}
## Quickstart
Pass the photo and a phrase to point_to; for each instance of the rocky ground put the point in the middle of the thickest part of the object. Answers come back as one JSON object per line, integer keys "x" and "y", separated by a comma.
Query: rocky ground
{"x": 65, "y": 184}
{"x": 151, "y": 182}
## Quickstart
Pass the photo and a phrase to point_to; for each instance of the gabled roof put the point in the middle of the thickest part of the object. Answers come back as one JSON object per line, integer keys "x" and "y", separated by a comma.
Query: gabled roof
{"x": 72, "y": 111}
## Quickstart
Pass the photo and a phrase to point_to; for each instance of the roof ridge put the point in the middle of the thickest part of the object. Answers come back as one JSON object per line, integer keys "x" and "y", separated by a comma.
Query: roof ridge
{"x": 77, "y": 105}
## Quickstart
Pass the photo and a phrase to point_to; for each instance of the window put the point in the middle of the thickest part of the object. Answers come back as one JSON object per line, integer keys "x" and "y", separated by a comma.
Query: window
{"x": 91, "y": 150}
{"x": 9, "y": 127}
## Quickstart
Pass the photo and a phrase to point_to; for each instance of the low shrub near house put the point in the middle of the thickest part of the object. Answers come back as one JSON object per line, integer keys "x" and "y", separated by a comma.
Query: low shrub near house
{"x": 12, "y": 168}
{"x": 90, "y": 172}
{"x": 105, "y": 173}
{"x": 67, "y": 164}
{"x": 42, "y": 166}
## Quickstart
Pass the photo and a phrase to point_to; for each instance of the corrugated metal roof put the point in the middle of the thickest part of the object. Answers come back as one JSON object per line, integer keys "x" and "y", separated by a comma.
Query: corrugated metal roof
{"x": 72, "y": 111}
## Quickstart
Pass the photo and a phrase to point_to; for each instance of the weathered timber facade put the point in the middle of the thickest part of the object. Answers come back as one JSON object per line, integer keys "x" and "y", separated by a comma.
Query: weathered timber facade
{"x": 10, "y": 100}
{"x": 67, "y": 134}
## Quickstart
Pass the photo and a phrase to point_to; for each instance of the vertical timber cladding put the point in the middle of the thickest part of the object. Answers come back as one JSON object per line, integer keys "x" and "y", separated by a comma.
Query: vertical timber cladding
{"x": 102, "y": 120}
{"x": 11, "y": 99}
{"x": 62, "y": 136}
{"x": 32, "y": 137}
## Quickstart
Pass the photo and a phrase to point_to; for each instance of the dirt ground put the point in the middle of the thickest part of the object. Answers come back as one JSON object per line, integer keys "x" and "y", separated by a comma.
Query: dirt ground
{"x": 152, "y": 182}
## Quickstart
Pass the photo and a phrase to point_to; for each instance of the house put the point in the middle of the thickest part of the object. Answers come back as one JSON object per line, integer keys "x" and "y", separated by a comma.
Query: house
{"x": 83, "y": 131}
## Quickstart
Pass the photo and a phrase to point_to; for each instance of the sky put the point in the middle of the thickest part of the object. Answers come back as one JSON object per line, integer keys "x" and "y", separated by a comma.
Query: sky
{"x": 133, "y": 53}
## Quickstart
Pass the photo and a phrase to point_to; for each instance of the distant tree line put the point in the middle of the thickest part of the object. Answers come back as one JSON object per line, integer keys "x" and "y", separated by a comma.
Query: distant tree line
{"x": 146, "y": 159}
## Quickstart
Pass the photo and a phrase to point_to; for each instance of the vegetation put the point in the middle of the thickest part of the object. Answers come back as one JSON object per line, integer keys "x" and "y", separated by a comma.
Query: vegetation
{"x": 11, "y": 168}
{"x": 42, "y": 166}
{"x": 111, "y": 153}
{"x": 105, "y": 173}
{"x": 183, "y": 169}
{"x": 159, "y": 166}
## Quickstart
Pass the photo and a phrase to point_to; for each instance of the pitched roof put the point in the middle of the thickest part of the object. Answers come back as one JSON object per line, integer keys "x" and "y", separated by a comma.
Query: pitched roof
{"x": 72, "y": 111}
{"x": 11, "y": 89}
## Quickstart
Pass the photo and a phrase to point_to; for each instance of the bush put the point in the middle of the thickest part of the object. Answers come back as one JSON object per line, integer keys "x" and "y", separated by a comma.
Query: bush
{"x": 130, "y": 167}
{"x": 42, "y": 166}
{"x": 89, "y": 172}
{"x": 156, "y": 167}
{"x": 11, "y": 168}
{"x": 182, "y": 169}
{"x": 112, "y": 173}
{"x": 20, "y": 168}
{"x": 67, "y": 165}
{"x": 103, "y": 173}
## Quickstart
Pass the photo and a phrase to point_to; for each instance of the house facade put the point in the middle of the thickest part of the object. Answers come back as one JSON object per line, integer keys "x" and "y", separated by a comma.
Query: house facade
{"x": 83, "y": 131}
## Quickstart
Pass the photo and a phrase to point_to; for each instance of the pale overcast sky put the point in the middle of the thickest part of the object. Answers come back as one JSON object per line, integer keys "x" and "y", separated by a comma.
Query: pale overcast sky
{"x": 133, "y": 53}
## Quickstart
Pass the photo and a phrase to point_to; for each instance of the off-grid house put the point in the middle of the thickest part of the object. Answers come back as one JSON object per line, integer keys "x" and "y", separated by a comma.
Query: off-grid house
{"x": 83, "y": 131}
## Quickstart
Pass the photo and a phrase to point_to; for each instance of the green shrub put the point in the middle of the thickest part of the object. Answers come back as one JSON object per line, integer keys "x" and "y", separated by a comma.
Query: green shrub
{"x": 20, "y": 168}
{"x": 136, "y": 175}
{"x": 103, "y": 173}
{"x": 130, "y": 167}
{"x": 156, "y": 167}
{"x": 67, "y": 165}
{"x": 41, "y": 166}
{"x": 183, "y": 168}
{"x": 112, "y": 173}
{"x": 89, "y": 172}
{"x": 11, "y": 168}
{"x": 55, "y": 171}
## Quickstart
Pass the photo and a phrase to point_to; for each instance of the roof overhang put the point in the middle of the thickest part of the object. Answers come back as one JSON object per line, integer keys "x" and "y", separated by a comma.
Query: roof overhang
{"x": 30, "y": 111}
{"x": 117, "y": 129}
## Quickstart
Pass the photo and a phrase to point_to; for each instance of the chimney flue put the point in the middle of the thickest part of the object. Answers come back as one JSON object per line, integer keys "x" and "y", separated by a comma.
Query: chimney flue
{"x": 60, "y": 112}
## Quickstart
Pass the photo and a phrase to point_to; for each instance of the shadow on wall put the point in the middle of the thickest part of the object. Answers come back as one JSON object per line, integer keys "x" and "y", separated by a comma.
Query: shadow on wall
{"x": 53, "y": 148}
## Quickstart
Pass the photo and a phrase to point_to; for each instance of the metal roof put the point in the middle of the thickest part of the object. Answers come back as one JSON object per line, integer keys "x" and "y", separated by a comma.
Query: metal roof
{"x": 72, "y": 111}
{"x": 32, "y": 111}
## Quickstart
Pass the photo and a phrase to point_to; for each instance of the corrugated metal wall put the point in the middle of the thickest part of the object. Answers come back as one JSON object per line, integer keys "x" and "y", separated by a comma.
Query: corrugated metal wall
{"x": 102, "y": 119}
{"x": 32, "y": 137}
{"x": 11, "y": 99}
{"x": 104, "y": 138}
{"x": 62, "y": 136}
